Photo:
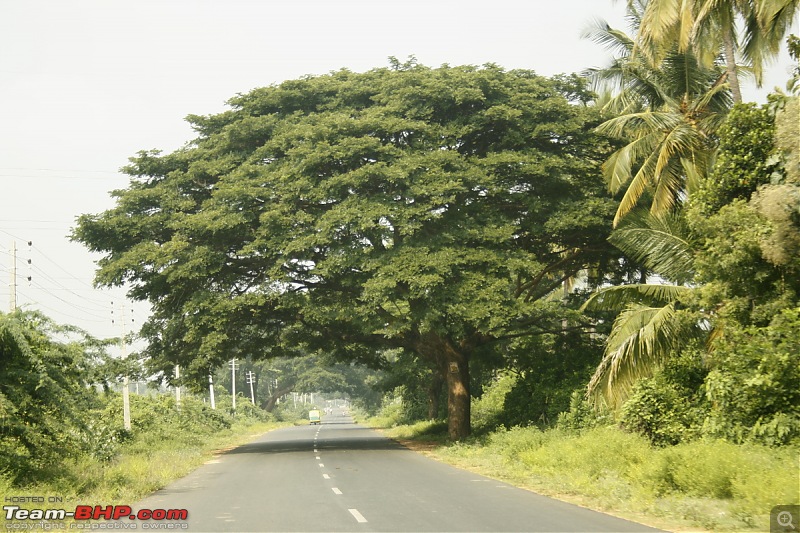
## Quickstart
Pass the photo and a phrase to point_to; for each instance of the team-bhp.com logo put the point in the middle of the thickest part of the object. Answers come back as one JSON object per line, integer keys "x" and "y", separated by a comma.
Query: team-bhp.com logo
{"x": 97, "y": 512}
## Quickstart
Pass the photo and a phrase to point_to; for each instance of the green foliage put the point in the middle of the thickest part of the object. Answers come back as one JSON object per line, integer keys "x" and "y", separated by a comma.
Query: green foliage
{"x": 488, "y": 410}
{"x": 583, "y": 414}
{"x": 787, "y": 137}
{"x": 754, "y": 385}
{"x": 44, "y": 396}
{"x": 417, "y": 208}
{"x": 550, "y": 368}
{"x": 754, "y": 477}
{"x": 744, "y": 159}
{"x": 394, "y": 413}
{"x": 669, "y": 105}
{"x": 669, "y": 407}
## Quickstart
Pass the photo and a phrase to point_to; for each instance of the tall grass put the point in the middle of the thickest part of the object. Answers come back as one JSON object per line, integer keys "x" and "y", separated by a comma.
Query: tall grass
{"x": 713, "y": 484}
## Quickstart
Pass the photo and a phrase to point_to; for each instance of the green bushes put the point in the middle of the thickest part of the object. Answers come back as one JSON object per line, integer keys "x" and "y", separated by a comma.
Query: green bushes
{"x": 707, "y": 483}
{"x": 164, "y": 444}
{"x": 486, "y": 411}
{"x": 44, "y": 396}
{"x": 669, "y": 407}
{"x": 754, "y": 478}
{"x": 754, "y": 386}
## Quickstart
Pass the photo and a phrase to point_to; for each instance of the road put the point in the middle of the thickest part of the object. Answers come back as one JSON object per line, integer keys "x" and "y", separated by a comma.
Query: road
{"x": 339, "y": 476}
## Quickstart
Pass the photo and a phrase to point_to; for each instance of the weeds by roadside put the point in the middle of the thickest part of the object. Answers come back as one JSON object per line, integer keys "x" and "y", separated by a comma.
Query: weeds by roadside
{"x": 165, "y": 444}
{"x": 712, "y": 485}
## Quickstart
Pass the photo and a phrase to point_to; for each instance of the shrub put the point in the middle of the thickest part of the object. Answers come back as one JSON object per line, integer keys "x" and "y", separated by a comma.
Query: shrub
{"x": 669, "y": 407}
{"x": 755, "y": 477}
{"x": 754, "y": 387}
{"x": 487, "y": 411}
{"x": 550, "y": 368}
{"x": 582, "y": 415}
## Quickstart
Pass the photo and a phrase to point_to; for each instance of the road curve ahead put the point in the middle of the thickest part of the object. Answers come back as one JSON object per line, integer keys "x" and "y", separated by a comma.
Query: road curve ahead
{"x": 339, "y": 476}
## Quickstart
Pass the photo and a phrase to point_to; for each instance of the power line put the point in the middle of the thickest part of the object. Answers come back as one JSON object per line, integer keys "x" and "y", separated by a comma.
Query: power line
{"x": 64, "y": 287}
{"x": 58, "y": 170}
{"x": 59, "y": 311}
{"x": 86, "y": 310}
{"x": 68, "y": 273}
{"x": 58, "y": 177}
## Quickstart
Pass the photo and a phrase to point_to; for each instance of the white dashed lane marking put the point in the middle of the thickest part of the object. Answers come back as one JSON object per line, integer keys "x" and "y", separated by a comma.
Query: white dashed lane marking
{"x": 358, "y": 516}
{"x": 336, "y": 490}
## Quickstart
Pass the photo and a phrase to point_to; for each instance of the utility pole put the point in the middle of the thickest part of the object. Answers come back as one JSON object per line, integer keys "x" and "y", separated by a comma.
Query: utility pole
{"x": 178, "y": 387}
{"x": 126, "y": 400}
{"x": 233, "y": 366}
{"x": 211, "y": 391}
{"x": 13, "y": 298}
{"x": 251, "y": 378}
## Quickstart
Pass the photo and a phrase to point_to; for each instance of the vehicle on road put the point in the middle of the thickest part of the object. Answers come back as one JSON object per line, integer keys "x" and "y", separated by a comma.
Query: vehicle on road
{"x": 314, "y": 416}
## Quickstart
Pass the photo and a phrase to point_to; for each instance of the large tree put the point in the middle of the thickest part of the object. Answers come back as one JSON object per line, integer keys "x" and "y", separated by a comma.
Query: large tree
{"x": 431, "y": 210}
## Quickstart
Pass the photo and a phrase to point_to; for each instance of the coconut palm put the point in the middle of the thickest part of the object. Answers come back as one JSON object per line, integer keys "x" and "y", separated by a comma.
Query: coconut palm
{"x": 710, "y": 27}
{"x": 648, "y": 328}
{"x": 669, "y": 111}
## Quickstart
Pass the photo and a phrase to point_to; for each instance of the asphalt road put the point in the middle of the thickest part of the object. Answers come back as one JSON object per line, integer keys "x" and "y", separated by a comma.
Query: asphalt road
{"x": 339, "y": 476}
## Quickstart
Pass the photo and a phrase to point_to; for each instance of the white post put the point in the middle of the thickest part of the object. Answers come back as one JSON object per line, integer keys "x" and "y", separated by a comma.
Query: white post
{"x": 126, "y": 400}
{"x": 178, "y": 387}
{"x": 211, "y": 391}
{"x": 233, "y": 381}
{"x": 250, "y": 379}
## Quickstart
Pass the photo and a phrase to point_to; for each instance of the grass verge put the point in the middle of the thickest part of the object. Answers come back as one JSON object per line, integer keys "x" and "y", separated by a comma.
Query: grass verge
{"x": 142, "y": 467}
{"x": 697, "y": 486}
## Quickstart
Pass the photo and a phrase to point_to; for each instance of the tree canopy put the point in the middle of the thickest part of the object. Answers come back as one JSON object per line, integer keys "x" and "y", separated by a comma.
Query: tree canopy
{"x": 432, "y": 210}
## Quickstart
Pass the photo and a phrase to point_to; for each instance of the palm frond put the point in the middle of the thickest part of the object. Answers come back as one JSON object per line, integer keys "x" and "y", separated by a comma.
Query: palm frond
{"x": 642, "y": 338}
{"x": 659, "y": 243}
{"x": 618, "y": 297}
{"x": 616, "y": 41}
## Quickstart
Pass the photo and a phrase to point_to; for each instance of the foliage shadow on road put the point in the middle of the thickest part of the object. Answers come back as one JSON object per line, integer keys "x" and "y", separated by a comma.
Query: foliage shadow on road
{"x": 305, "y": 446}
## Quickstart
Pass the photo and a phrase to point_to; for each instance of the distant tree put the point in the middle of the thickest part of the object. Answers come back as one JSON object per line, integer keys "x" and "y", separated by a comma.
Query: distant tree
{"x": 431, "y": 210}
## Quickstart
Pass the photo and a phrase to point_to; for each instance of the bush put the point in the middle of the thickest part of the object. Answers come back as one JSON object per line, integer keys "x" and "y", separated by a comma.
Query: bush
{"x": 550, "y": 368}
{"x": 487, "y": 411}
{"x": 582, "y": 415}
{"x": 711, "y": 483}
{"x": 589, "y": 455}
{"x": 755, "y": 477}
{"x": 669, "y": 408}
{"x": 754, "y": 387}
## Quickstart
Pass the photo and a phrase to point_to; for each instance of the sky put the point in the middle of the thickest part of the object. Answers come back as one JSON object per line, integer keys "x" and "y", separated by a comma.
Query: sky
{"x": 86, "y": 84}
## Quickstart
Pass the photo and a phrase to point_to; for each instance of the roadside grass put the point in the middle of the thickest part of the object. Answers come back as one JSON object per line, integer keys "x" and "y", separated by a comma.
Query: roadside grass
{"x": 701, "y": 485}
{"x": 142, "y": 466}
{"x": 141, "y": 470}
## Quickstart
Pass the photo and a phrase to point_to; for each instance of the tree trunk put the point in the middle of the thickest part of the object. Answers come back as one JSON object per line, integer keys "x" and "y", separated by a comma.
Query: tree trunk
{"x": 454, "y": 362}
{"x": 458, "y": 398}
{"x": 434, "y": 393}
{"x": 730, "y": 66}
{"x": 270, "y": 405}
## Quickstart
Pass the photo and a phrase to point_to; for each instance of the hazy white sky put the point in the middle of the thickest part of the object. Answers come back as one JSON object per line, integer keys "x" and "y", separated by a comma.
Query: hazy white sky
{"x": 85, "y": 84}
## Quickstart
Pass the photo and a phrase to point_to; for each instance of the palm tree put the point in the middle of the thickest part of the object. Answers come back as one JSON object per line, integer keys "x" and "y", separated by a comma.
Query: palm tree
{"x": 669, "y": 110}
{"x": 648, "y": 328}
{"x": 710, "y": 26}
